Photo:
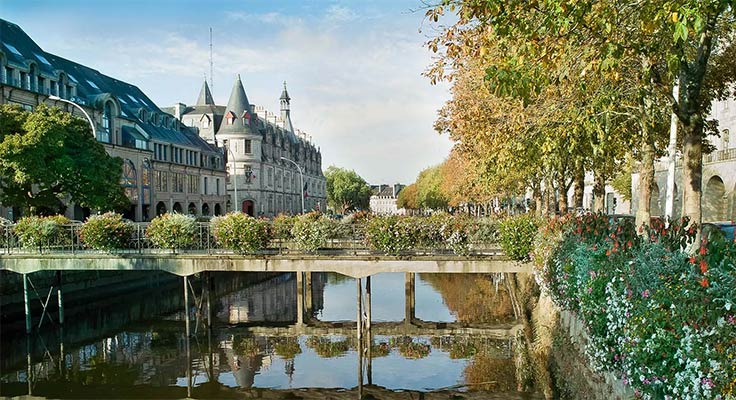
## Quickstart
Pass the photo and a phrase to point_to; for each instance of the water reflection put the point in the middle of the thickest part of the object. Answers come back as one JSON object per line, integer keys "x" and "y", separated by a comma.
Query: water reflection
{"x": 256, "y": 346}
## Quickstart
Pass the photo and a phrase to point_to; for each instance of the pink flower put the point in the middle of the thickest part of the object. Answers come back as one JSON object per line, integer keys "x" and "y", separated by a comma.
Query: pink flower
{"x": 645, "y": 293}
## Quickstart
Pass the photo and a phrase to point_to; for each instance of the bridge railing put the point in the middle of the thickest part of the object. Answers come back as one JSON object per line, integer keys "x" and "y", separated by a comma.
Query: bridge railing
{"x": 350, "y": 240}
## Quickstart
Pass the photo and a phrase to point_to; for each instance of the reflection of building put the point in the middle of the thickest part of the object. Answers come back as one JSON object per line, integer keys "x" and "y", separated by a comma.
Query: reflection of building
{"x": 719, "y": 172}
{"x": 166, "y": 168}
{"x": 383, "y": 199}
{"x": 256, "y": 141}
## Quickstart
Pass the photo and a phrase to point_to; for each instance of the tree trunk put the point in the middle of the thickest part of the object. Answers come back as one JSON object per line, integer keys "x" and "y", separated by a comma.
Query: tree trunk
{"x": 579, "y": 180}
{"x": 562, "y": 199}
{"x": 646, "y": 178}
{"x": 537, "y": 198}
{"x": 599, "y": 192}
{"x": 692, "y": 169}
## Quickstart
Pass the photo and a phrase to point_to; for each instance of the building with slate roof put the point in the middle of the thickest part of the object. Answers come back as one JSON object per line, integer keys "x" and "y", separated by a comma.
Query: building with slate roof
{"x": 383, "y": 199}
{"x": 256, "y": 140}
{"x": 166, "y": 166}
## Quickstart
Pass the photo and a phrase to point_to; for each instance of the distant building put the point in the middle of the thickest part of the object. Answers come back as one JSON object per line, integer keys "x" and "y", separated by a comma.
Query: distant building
{"x": 166, "y": 167}
{"x": 256, "y": 142}
{"x": 383, "y": 199}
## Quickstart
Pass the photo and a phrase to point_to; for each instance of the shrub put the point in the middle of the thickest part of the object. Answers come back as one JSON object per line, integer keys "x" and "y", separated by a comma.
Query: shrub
{"x": 517, "y": 236}
{"x": 172, "y": 231}
{"x": 312, "y": 231}
{"x": 241, "y": 233}
{"x": 282, "y": 225}
{"x": 483, "y": 230}
{"x": 390, "y": 234}
{"x": 33, "y": 231}
{"x": 107, "y": 232}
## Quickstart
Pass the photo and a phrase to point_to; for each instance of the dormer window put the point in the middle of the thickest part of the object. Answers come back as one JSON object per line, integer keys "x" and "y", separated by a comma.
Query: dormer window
{"x": 142, "y": 115}
{"x": 230, "y": 118}
{"x": 246, "y": 118}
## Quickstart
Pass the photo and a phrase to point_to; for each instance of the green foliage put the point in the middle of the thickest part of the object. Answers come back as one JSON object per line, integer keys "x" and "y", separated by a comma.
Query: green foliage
{"x": 107, "y": 232}
{"x": 346, "y": 190}
{"x": 241, "y": 233}
{"x": 391, "y": 234}
{"x": 282, "y": 225}
{"x": 325, "y": 347}
{"x": 516, "y": 235}
{"x": 173, "y": 231}
{"x": 38, "y": 232}
{"x": 642, "y": 297}
{"x": 429, "y": 189}
{"x": 287, "y": 347}
{"x": 48, "y": 157}
{"x": 622, "y": 181}
{"x": 312, "y": 231}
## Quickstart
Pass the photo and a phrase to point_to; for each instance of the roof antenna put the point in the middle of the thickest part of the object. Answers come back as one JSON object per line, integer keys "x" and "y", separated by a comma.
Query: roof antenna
{"x": 212, "y": 77}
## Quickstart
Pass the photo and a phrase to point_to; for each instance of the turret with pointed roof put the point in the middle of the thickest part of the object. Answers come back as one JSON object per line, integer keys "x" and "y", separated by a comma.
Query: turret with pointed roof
{"x": 205, "y": 96}
{"x": 286, "y": 110}
{"x": 239, "y": 118}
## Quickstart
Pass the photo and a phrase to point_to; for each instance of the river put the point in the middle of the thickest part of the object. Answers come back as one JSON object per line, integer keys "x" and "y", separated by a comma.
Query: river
{"x": 135, "y": 345}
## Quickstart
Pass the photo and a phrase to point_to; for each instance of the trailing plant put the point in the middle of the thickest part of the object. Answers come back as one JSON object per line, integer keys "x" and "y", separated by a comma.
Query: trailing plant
{"x": 390, "y": 234}
{"x": 282, "y": 225}
{"x": 107, "y": 232}
{"x": 241, "y": 233}
{"x": 172, "y": 231}
{"x": 39, "y": 232}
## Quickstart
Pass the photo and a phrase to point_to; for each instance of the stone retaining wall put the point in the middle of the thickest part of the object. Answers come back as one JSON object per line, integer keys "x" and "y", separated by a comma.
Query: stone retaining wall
{"x": 572, "y": 375}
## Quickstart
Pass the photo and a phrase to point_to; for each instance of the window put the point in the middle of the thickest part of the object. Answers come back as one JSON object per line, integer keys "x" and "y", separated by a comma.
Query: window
{"x": 25, "y": 81}
{"x": 162, "y": 181}
{"x": 248, "y": 172}
{"x": 726, "y": 139}
{"x": 12, "y": 49}
{"x": 247, "y": 146}
{"x": 107, "y": 117}
{"x": 178, "y": 183}
{"x": 205, "y": 185}
{"x": 217, "y": 186}
{"x": 130, "y": 180}
{"x": 205, "y": 122}
{"x": 270, "y": 177}
{"x": 193, "y": 184}
{"x": 42, "y": 85}
{"x": 9, "y": 76}
{"x": 92, "y": 84}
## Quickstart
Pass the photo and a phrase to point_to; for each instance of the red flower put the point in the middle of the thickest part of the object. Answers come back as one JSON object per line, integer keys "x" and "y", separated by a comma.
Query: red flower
{"x": 703, "y": 266}
{"x": 608, "y": 253}
{"x": 702, "y": 250}
{"x": 704, "y": 282}
{"x": 692, "y": 259}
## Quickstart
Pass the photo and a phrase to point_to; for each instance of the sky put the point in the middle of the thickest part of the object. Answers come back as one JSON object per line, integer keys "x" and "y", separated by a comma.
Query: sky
{"x": 353, "y": 68}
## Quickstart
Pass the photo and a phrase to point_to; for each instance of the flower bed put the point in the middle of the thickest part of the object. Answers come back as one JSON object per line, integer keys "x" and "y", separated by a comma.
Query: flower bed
{"x": 107, "y": 232}
{"x": 173, "y": 231}
{"x": 241, "y": 233}
{"x": 659, "y": 318}
{"x": 39, "y": 232}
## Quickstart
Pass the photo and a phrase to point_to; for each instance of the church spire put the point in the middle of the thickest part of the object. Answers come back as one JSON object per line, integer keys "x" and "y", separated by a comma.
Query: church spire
{"x": 286, "y": 110}
{"x": 205, "y": 96}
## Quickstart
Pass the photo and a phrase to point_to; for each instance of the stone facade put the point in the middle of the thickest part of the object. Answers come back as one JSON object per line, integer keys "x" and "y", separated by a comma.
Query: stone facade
{"x": 259, "y": 145}
{"x": 719, "y": 172}
{"x": 383, "y": 199}
{"x": 166, "y": 167}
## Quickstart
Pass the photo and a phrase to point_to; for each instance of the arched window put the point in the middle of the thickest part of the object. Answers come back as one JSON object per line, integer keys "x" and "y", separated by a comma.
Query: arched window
{"x": 142, "y": 115}
{"x": 146, "y": 178}
{"x": 107, "y": 116}
{"x": 130, "y": 180}
{"x": 205, "y": 122}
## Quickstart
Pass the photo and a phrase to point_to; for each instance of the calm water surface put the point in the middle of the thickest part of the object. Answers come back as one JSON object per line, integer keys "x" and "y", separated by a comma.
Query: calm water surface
{"x": 136, "y": 347}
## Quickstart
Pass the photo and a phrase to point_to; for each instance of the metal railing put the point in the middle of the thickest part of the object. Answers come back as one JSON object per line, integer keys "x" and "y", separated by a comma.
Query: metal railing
{"x": 350, "y": 240}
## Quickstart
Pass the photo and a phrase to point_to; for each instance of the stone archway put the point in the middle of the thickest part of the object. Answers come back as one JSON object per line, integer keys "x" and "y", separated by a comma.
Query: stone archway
{"x": 192, "y": 209}
{"x": 177, "y": 208}
{"x": 714, "y": 206}
{"x": 205, "y": 210}
{"x": 655, "y": 209}
{"x": 218, "y": 209}
{"x": 160, "y": 208}
{"x": 248, "y": 207}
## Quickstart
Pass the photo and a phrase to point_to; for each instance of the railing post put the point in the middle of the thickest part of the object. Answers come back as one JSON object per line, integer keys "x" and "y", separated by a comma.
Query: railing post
{"x": 368, "y": 305}
{"x": 359, "y": 306}
{"x": 299, "y": 298}
{"x": 409, "y": 302}
{"x": 27, "y": 303}
{"x": 59, "y": 296}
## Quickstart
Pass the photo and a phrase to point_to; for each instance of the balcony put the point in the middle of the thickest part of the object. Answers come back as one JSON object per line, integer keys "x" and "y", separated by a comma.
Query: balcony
{"x": 720, "y": 155}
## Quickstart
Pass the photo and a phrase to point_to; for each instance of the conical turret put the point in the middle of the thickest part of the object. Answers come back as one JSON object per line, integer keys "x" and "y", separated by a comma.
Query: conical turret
{"x": 239, "y": 117}
{"x": 205, "y": 96}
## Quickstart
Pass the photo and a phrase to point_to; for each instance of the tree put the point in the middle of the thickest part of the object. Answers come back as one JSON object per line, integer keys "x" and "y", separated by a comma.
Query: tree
{"x": 49, "y": 158}
{"x": 408, "y": 198}
{"x": 545, "y": 43}
{"x": 429, "y": 189}
{"x": 346, "y": 190}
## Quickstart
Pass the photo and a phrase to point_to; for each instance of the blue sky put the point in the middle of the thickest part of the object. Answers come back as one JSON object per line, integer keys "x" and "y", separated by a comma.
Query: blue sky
{"x": 353, "y": 68}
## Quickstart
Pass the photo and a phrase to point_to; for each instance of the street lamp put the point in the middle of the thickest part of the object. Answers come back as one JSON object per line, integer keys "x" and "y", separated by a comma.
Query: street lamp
{"x": 301, "y": 179}
{"x": 92, "y": 124}
{"x": 235, "y": 177}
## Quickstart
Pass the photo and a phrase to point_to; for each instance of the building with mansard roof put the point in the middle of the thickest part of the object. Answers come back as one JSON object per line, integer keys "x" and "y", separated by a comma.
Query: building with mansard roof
{"x": 260, "y": 147}
{"x": 166, "y": 166}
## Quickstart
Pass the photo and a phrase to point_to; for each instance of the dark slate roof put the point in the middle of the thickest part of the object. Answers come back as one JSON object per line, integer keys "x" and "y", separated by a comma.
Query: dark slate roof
{"x": 285, "y": 94}
{"x": 94, "y": 87}
{"x": 238, "y": 105}
{"x": 205, "y": 96}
